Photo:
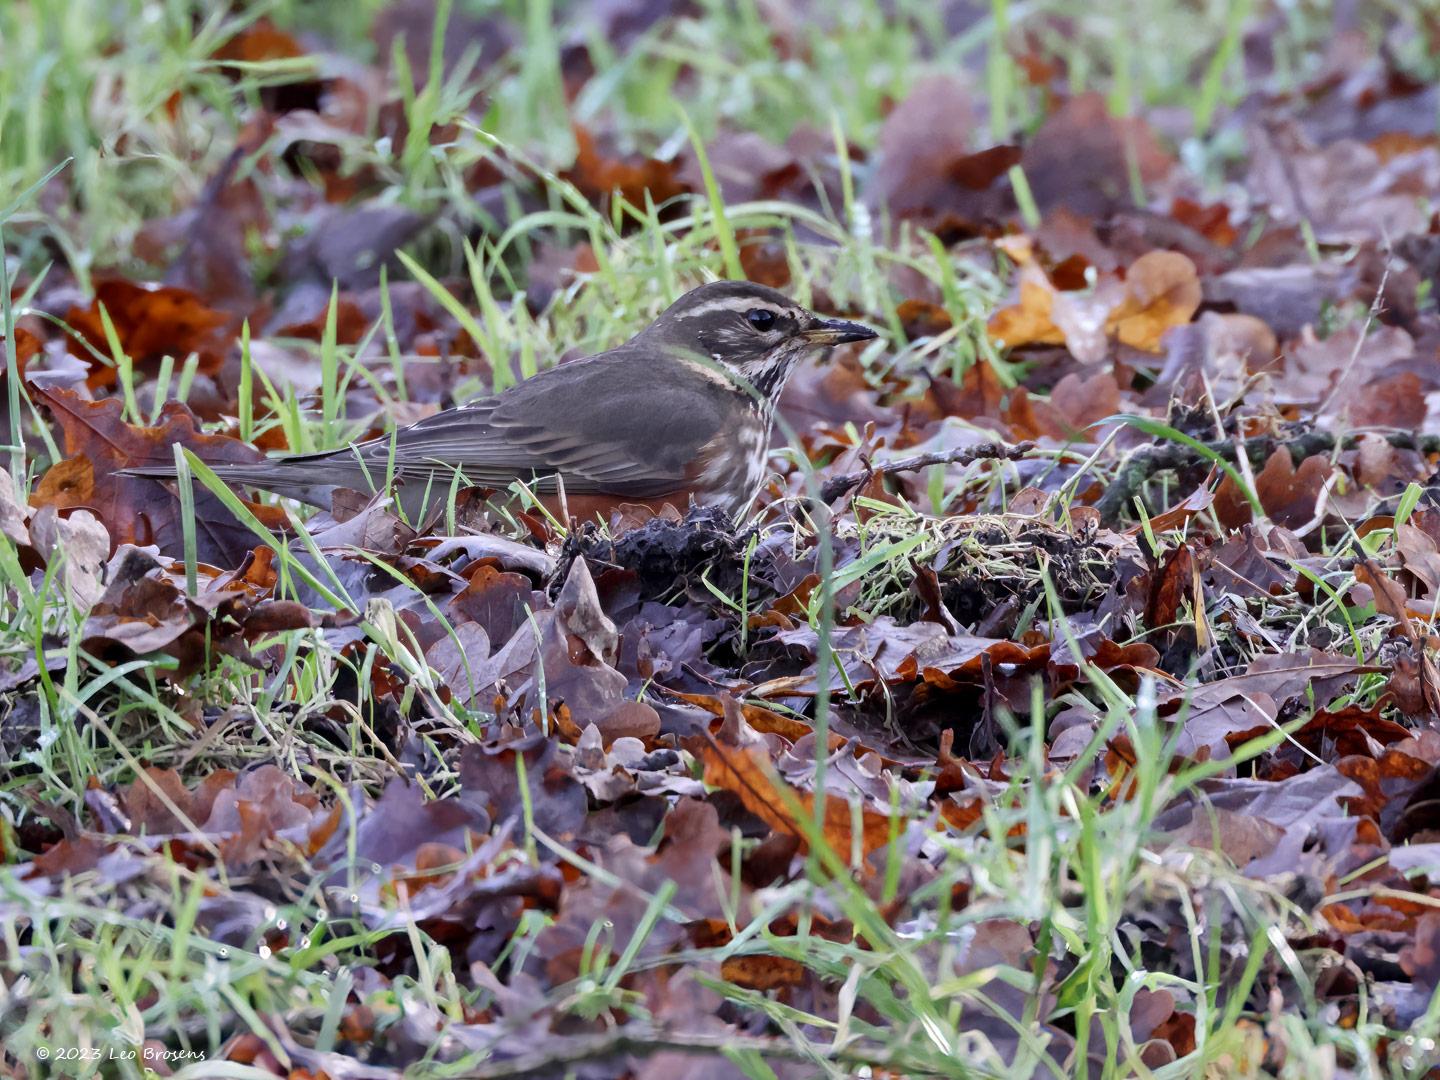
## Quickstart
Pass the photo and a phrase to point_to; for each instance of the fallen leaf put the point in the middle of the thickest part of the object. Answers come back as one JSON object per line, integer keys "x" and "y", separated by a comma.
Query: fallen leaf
{"x": 736, "y": 759}
{"x": 138, "y": 511}
{"x": 1160, "y": 291}
{"x": 1083, "y": 158}
{"x": 598, "y": 177}
{"x": 150, "y": 322}
{"x": 1289, "y": 494}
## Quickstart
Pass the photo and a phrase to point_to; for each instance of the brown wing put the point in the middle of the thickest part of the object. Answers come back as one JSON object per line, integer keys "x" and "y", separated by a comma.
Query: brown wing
{"x": 623, "y": 423}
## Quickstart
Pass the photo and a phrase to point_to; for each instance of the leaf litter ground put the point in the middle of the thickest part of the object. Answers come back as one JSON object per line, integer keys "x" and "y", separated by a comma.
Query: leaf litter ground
{"x": 1068, "y": 706}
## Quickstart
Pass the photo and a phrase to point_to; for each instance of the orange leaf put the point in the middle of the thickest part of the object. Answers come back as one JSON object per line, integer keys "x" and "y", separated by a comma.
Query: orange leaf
{"x": 762, "y": 972}
{"x": 151, "y": 322}
{"x": 736, "y": 760}
{"x": 99, "y": 443}
{"x": 1162, "y": 291}
{"x": 1029, "y": 321}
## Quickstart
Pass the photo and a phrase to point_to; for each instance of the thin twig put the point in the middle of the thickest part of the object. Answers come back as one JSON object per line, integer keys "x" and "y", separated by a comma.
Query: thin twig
{"x": 1377, "y": 306}
{"x": 839, "y": 485}
{"x": 1145, "y": 462}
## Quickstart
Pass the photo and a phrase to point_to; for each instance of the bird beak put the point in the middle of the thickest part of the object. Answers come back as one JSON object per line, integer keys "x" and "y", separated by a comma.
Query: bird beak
{"x": 836, "y": 332}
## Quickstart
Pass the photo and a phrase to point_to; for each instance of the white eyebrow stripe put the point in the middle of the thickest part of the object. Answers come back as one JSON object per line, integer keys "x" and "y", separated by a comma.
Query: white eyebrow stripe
{"x": 732, "y": 303}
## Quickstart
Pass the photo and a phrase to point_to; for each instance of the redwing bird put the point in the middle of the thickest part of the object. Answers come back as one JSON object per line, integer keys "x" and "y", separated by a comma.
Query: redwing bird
{"x": 681, "y": 412}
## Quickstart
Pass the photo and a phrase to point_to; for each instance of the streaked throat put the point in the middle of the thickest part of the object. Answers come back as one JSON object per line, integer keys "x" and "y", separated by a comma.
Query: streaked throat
{"x": 769, "y": 375}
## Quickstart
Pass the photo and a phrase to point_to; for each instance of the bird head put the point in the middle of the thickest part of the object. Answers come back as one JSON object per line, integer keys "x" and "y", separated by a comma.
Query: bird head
{"x": 751, "y": 333}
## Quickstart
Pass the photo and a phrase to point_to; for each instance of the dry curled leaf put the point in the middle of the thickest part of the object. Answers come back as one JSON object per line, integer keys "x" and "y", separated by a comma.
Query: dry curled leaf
{"x": 1160, "y": 291}
{"x": 99, "y": 443}
{"x": 149, "y": 322}
{"x": 736, "y": 759}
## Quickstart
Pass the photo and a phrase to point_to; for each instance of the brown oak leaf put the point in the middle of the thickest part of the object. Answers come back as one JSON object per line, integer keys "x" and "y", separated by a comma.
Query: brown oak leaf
{"x": 99, "y": 442}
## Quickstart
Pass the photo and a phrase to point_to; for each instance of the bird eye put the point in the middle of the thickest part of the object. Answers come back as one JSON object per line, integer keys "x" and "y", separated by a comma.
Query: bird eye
{"x": 761, "y": 319}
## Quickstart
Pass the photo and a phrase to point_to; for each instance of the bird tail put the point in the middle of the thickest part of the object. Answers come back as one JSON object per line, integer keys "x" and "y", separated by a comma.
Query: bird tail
{"x": 303, "y": 487}
{"x": 149, "y": 472}
{"x": 231, "y": 474}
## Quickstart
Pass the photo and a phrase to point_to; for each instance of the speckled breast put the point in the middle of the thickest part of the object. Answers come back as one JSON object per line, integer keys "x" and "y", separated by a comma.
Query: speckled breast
{"x": 736, "y": 462}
